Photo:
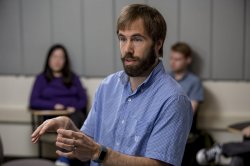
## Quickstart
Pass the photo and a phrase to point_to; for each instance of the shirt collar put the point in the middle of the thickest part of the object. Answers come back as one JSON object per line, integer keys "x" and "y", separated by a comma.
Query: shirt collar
{"x": 150, "y": 79}
{"x": 183, "y": 77}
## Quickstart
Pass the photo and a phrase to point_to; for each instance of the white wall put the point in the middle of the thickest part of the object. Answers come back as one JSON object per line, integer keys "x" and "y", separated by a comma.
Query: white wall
{"x": 226, "y": 103}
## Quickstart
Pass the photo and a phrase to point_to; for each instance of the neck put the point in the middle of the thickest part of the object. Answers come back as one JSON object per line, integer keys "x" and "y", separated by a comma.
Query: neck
{"x": 179, "y": 75}
{"x": 57, "y": 74}
{"x": 137, "y": 81}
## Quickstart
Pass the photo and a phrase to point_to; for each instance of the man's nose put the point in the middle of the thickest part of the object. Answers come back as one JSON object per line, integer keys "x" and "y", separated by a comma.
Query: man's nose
{"x": 129, "y": 47}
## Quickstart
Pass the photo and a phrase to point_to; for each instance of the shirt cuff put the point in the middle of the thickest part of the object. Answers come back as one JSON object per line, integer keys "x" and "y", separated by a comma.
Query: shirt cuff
{"x": 87, "y": 131}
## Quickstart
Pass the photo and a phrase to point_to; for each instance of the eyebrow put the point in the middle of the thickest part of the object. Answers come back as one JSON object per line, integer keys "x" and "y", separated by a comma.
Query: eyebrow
{"x": 134, "y": 35}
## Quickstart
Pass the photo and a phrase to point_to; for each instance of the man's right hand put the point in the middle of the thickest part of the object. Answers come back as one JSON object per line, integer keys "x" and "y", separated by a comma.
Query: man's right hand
{"x": 52, "y": 125}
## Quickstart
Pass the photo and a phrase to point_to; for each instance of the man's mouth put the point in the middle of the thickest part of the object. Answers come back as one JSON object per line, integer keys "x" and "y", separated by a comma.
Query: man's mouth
{"x": 129, "y": 61}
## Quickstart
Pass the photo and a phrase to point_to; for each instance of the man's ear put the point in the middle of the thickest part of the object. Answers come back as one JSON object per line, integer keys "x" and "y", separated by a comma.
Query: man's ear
{"x": 189, "y": 60}
{"x": 158, "y": 45}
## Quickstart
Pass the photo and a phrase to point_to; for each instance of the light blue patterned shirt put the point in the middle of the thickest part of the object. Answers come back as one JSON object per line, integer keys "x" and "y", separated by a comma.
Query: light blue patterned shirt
{"x": 153, "y": 121}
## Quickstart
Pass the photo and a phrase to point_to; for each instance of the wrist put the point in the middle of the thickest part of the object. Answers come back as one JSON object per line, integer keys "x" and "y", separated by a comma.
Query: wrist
{"x": 96, "y": 152}
{"x": 100, "y": 154}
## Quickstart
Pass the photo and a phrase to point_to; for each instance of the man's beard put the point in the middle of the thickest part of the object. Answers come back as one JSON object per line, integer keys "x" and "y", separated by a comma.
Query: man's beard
{"x": 143, "y": 66}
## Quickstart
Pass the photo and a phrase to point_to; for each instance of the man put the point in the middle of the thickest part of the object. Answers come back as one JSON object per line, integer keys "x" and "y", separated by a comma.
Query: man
{"x": 180, "y": 60}
{"x": 239, "y": 151}
{"x": 140, "y": 116}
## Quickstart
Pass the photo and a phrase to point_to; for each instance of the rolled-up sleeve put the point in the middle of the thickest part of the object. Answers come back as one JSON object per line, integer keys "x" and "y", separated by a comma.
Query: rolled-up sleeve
{"x": 90, "y": 124}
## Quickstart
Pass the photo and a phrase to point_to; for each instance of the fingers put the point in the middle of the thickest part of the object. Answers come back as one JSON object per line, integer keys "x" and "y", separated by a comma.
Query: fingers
{"x": 36, "y": 134}
{"x": 68, "y": 141}
{"x": 76, "y": 144}
{"x": 65, "y": 146}
{"x": 70, "y": 134}
{"x": 65, "y": 154}
{"x": 44, "y": 127}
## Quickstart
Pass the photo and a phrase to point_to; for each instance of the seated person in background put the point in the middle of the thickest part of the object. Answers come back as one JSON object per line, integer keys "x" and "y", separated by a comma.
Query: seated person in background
{"x": 180, "y": 60}
{"x": 239, "y": 151}
{"x": 58, "y": 88}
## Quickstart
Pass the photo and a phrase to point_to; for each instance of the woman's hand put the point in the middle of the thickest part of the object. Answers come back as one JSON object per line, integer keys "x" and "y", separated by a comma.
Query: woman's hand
{"x": 71, "y": 109}
{"x": 52, "y": 125}
{"x": 246, "y": 131}
{"x": 59, "y": 107}
{"x": 77, "y": 144}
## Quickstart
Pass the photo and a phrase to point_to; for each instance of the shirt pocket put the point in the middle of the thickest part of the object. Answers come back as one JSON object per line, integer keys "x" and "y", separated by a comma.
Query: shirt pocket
{"x": 138, "y": 142}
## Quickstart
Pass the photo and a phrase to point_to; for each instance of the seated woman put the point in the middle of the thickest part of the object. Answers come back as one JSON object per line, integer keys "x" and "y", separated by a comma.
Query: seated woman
{"x": 58, "y": 88}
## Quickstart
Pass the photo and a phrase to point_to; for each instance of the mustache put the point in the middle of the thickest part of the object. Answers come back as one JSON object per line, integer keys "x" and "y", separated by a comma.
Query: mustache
{"x": 129, "y": 56}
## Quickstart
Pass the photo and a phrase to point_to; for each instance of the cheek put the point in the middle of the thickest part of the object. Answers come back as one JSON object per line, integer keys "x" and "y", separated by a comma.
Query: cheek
{"x": 175, "y": 63}
{"x": 52, "y": 63}
{"x": 142, "y": 52}
{"x": 60, "y": 62}
{"x": 56, "y": 63}
{"x": 122, "y": 49}
{"x": 178, "y": 63}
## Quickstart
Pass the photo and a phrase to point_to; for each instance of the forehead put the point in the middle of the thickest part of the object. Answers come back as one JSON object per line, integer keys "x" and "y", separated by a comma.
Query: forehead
{"x": 57, "y": 52}
{"x": 134, "y": 27}
{"x": 175, "y": 54}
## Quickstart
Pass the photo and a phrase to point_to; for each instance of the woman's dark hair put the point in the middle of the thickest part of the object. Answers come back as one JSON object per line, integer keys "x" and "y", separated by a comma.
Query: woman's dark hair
{"x": 67, "y": 74}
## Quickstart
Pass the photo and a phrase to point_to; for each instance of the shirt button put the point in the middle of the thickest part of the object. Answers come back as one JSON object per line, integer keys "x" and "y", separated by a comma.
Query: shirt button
{"x": 129, "y": 99}
{"x": 123, "y": 121}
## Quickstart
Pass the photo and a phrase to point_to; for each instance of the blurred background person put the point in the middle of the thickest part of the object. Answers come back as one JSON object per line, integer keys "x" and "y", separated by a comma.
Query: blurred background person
{"x": 180, "y": 62}
{"x": 59, "y": 88}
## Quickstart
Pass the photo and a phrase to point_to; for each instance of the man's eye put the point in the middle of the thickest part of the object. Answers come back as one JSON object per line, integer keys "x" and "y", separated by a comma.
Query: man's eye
{"x": 137, "y": 39}
{"x": 122, "y": 39}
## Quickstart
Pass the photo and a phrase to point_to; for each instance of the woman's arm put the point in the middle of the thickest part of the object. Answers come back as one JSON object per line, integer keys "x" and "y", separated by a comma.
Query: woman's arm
{"x": 36, "y": 102}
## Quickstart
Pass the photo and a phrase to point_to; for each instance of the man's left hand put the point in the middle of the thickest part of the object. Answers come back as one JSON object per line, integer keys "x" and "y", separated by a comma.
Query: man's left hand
{"x": 77, "y": 144}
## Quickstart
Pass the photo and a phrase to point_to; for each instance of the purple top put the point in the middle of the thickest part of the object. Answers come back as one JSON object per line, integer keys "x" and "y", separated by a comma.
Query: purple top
{"x": 45, "y": 95}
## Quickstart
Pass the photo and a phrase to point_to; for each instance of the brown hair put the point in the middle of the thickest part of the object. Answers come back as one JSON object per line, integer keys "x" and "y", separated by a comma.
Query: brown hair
{"x": 154, "y": 22}
{"x": 182, "y": 48}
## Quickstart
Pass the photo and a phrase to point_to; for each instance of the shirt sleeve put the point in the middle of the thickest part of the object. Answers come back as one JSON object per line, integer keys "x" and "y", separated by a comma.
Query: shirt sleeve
{"x": 169, "y": 135}
{"x": 196, "y": 92}
{"x": 90, "y": 123}
{"x": 36, "y": 101}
